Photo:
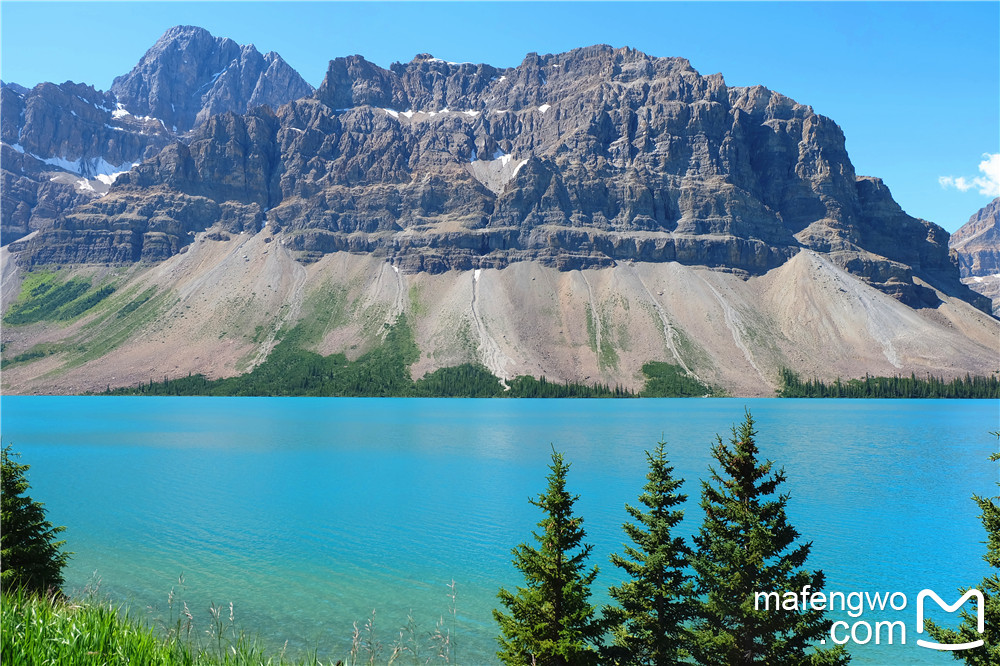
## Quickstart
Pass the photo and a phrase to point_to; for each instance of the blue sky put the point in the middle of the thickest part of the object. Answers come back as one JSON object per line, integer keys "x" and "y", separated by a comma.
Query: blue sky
{"x": 915, "y": 86}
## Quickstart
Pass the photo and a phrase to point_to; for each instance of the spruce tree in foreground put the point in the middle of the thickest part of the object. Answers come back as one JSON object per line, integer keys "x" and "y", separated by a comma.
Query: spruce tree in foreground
{"x": 968, "y": 631}
{"x": 550, "y": 621}
{"x": 746, "y": 545}
{"x": 648, "y": 622}
{"x": 30, "y": 557}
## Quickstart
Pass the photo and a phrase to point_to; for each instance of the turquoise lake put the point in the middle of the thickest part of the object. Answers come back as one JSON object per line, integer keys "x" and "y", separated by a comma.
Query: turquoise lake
{"x": 307, "y": 514}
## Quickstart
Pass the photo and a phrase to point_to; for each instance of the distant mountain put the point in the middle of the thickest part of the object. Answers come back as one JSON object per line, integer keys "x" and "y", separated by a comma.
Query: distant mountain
{"x": 189, "y": 76}
{"x": 575, "y": 216}
{"x": 977, "y": 244}
{"x": 19, "y": 89}
{"x": 64, "y": 144}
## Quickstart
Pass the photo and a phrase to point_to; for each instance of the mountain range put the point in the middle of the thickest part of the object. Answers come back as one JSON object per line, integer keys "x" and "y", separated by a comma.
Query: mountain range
{"x": 575, "y": 216}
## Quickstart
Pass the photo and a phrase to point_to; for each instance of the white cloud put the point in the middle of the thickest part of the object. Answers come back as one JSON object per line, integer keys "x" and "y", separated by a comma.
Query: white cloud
{"x": 988, "y": 183}
{"x": 958, "y": 183}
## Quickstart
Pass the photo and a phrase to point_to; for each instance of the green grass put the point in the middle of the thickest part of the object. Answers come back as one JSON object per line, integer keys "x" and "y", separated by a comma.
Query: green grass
{"x": 591, "y": 331}
{"x": 607, "y": 355}
{"x": 325, "y": 310}
{"x": 417, "y": 306}
{"x": 135, "y": 303}
{"x": 112, "y": 332}
{"x": 33, "y": 354}
{"x": 59, "y": 631}
{"x": 64, "y": 632}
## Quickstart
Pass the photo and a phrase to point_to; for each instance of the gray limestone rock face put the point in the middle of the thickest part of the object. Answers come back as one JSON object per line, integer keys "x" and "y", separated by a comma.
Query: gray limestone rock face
{"x": 977, "y": 247}
{"x": 72, "y": 139}
{"x": 150, "y": 226}
{"x": 585, "y": 158}
{"x": 30, "y": 203}
{"x": 235, "y": 158}
{"x": 62, "y": 146}
{"x": 189, "y": 75}
{"x": 977, "y": 242}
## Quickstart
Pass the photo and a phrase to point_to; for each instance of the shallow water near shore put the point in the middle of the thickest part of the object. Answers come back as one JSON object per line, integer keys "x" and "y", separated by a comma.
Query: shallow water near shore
{"x": 308, "y": 513}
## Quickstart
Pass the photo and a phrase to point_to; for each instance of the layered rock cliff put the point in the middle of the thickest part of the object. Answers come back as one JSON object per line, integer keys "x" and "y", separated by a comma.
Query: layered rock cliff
{"x": 63, "y": 145}
{"x": 578, "y": 159}
{"x": 977, "y": 244}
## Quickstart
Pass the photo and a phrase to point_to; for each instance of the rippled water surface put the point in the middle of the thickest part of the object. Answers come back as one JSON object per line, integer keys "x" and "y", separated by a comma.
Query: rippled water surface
{"x": 307, "y": 514}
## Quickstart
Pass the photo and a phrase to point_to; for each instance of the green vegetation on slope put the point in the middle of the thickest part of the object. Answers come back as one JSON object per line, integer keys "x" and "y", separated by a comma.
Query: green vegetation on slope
{"x": 291, "y": 370}
{"x": 45, "y": 297}
{"x": 135, "y": 303}
{"x": 889, "y": 387}
{"x": 664, "y": 380}
{"x": 525, "y": 386}
{"x": 33, "y": 354}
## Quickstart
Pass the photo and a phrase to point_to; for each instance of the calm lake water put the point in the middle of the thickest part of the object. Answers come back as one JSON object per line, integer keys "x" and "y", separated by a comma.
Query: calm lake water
{"x": 307, "y": 514}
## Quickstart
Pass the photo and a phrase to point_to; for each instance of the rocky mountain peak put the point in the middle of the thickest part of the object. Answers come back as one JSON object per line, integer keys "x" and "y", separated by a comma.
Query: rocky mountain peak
{"x": 14, "y": 87}
{"x": 977, "y": 246}
{"x": 982, "y": 228}
{"x": 66, "y": 144}
{"x": 188, "y": 75}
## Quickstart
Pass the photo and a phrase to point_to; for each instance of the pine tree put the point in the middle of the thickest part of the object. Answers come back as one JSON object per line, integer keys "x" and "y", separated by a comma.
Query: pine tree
{"x": 968, "y": 631}
{"x": 550, "y": 621}
{"x": 29, "y": 555}
{"x": 746, "y": 545}
{"x": 648, "y": 622}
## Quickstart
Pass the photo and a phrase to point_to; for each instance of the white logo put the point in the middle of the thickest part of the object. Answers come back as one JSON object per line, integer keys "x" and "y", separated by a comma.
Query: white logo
{"x": 951, "y": 609}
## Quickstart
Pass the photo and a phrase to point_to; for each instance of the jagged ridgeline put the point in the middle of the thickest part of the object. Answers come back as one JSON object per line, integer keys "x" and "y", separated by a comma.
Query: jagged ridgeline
{"x": 577, "y": 217}
{"x": 977, "y": 245}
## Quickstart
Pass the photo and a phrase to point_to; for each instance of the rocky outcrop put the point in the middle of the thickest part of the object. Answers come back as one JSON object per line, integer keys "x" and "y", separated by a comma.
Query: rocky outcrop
{"x": 235, "y": 158}
{"x": 76, "y": 127}
{"x": 29, "y": 202}
{"x": 575, "y": 160}
{"x": 977, "y": 245}
{"x": 977, "y": 242}
{"x": 65, "y": 144}
{"x": 129, "y": 228}
{"x": 189, "y": 75}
